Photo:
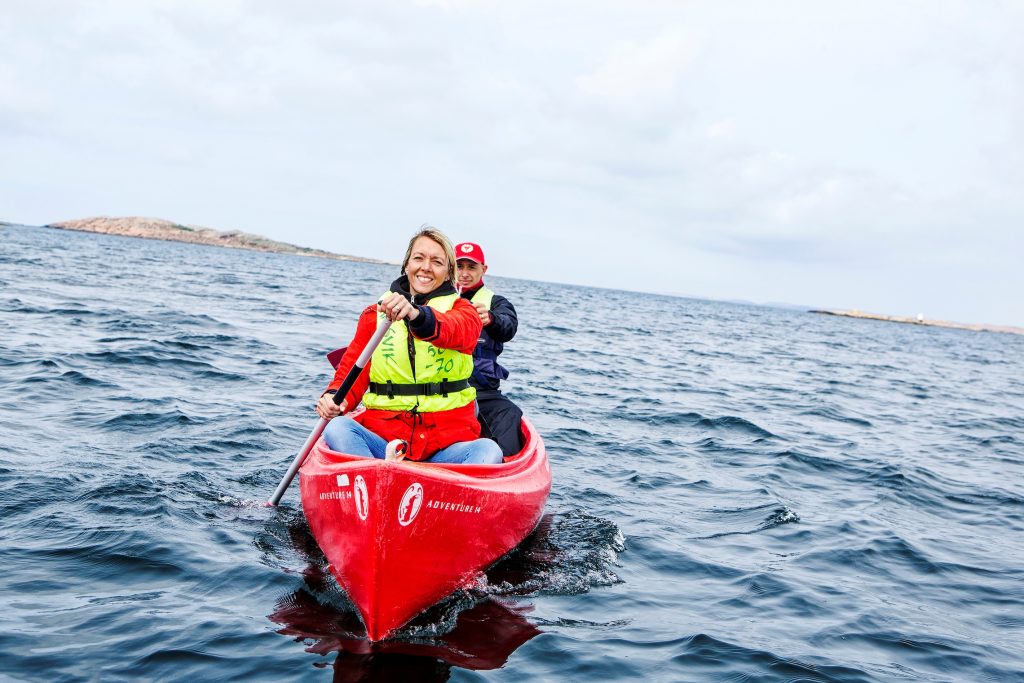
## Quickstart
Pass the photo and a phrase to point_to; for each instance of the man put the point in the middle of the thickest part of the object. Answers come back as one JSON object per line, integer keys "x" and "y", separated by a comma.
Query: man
{"x": 499, "y": 417}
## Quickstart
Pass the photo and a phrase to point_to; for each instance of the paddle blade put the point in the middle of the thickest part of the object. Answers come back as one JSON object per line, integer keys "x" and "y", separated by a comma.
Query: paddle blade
{"x": 334, "y": 357}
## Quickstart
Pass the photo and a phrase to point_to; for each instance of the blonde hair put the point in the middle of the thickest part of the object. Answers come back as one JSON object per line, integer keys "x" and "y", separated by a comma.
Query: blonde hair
{"x": 441, "y": 239}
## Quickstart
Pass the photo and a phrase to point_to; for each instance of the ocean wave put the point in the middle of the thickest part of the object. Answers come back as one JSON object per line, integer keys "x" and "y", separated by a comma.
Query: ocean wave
{"x": 71, "y": 377}
{"x": 706, "y": 656}
{"x": 136, "y": 421}
{"x": 749, "y": 520}
{"x": 656, "y": 413}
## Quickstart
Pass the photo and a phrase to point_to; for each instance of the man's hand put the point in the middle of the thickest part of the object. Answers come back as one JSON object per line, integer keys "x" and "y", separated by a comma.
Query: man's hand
{"x": 485, "y": 314}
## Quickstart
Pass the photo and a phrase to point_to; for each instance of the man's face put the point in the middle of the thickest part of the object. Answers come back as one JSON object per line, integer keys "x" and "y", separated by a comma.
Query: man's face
{"x": 470, "y": 273}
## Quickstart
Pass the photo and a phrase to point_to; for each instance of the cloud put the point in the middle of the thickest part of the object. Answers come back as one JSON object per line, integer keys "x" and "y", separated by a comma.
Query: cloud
{"x": 642, "y": 69}
{"x": 779, "y": 144}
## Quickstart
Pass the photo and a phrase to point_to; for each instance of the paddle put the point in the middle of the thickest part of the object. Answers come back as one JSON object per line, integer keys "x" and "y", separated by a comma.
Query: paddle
{"x": 339, "y": 396}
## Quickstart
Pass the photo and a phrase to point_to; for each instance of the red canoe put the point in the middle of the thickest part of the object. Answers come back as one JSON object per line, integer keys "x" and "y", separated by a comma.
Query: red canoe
{"x": 400, "y": 536}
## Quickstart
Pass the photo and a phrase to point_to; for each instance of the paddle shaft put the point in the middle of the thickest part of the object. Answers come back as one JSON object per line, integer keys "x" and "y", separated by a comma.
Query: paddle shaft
{"x": 339, "y": 396}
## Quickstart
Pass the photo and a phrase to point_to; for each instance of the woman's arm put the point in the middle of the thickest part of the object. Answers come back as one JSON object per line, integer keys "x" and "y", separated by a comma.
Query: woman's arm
{"x": 458, "y": 328}
{"x": 365, "y": 328}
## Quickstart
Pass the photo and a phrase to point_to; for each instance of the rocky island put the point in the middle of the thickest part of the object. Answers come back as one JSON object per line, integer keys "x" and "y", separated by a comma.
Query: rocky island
{"x": 159, "y": 229}
{"x": 921, "y": 320}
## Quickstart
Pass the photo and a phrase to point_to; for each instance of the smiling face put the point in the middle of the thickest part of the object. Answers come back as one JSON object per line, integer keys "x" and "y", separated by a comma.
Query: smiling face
{"x": 427, "y": 266}
{"x": 470, "y": 273}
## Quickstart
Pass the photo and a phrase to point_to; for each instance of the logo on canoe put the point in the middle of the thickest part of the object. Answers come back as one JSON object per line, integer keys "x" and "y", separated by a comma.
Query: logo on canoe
{"x": 411, "y": 503}
{"x": 362, "y": 498}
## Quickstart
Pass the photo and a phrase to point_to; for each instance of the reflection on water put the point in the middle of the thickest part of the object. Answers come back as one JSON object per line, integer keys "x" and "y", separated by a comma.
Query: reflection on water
{"x": 484, "y": 637}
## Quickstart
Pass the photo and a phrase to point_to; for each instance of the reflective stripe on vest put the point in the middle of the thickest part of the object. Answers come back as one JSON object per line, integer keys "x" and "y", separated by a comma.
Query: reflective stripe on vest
{"x": 390, "y": 362}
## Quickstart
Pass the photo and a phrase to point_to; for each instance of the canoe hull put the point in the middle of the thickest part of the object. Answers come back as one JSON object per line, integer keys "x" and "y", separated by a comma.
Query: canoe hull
{"x": 400, "y": 536}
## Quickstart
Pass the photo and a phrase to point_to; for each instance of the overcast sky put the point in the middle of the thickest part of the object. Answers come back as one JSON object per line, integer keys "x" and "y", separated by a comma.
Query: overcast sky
{"x": 849, "y": 155}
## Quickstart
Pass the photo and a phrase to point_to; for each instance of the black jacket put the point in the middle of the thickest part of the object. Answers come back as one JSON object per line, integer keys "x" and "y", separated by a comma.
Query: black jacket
{"x": 487, "y": 373}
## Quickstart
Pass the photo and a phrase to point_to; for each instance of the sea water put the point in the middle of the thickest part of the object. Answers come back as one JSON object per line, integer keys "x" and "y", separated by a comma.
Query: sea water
{"x": 740, "y": 492}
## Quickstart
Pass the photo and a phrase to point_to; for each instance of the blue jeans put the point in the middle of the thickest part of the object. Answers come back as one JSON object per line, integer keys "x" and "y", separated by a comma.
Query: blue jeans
{"x": 345, "y": 435}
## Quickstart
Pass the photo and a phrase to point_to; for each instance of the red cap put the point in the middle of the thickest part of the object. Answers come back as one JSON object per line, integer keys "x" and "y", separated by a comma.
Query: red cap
{"x": 470, "y": 251}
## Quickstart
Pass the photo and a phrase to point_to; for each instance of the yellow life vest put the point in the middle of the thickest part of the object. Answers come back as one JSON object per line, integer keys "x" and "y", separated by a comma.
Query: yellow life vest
{"x": 482, "y": 296}
{"x": 407, "y": 373}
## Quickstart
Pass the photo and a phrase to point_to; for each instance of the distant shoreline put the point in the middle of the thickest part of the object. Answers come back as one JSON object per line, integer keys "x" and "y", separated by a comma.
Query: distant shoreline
{"x": 922, "y": 321}
{"x": 160, "y": 229}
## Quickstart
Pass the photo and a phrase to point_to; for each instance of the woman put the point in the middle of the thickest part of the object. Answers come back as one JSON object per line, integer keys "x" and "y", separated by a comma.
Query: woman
{"x": 416, "y": 385}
